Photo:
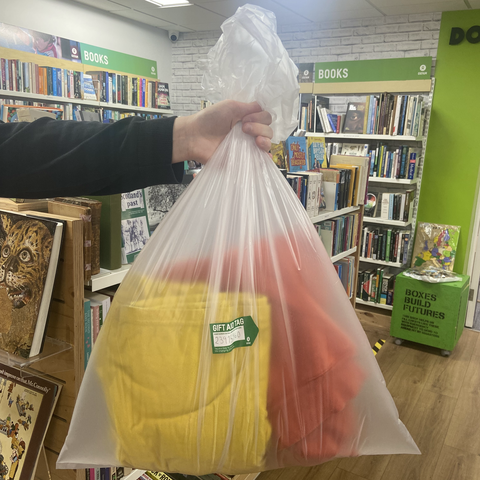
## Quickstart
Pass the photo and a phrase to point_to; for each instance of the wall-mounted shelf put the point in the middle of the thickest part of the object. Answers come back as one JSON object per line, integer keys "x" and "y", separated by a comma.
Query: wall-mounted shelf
{"x": 373, "y": 304}
{"x": 339, "y": 256}
{"x": 108, "y": 278}
{"x": 381, "y": 262}
{"x": 333, "y": 214}
{"x": 35, "y": 97}
{"x": 384, "y": 221}
{"x": 401, "y": 181}
{"x": 362, "y": 137}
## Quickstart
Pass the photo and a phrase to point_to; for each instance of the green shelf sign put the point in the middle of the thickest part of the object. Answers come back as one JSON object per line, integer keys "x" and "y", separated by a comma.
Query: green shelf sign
{"x": 240, "y": 332}
{"x": 104, "y": 59}
{"x": 390, "y": 69}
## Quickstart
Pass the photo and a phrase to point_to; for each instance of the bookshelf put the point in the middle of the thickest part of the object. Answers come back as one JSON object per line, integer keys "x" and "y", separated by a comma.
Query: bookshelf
{"x": 107, "y": 278}
{"x": 338, "y": 257}
{"x": 395, "y": 181}
{"x": 36, "y": 97}
{"x": 45, "y": 61}
{"x": 381, "y": 262}
{"x": 375, "y": 305}
{"x": 383, "y": 221}
{"x": 317, "y": 93}
{"x": 363, "y": 137}
{"x": 335, "y": 213}
{"x": 355, "y": 250}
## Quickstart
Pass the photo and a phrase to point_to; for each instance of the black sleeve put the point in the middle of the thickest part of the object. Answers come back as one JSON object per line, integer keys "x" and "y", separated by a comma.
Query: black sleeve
{"x": 48, "y": 158}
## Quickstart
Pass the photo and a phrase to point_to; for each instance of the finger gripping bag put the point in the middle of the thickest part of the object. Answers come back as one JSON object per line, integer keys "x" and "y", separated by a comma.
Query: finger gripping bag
{"x": 231, "y": 345}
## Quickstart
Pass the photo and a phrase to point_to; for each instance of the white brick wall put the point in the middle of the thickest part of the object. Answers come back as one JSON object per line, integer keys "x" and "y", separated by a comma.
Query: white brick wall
{"x": 394, "y": 36}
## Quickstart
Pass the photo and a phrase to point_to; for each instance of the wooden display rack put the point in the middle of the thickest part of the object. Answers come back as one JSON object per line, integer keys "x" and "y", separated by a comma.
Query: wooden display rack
{"x": 65, "y": 323}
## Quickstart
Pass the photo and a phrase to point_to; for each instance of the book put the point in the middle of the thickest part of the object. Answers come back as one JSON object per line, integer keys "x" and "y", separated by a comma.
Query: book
{"x": 371, "y": 205}
{"x": 354, "y": 118}
{"x": 95, "y": 209}
{"x": 84, "y": 214}
{"x": 88, "y": 88}
{"x": 163, "y": 96}
{"x": 134, "y": 226}
{"x": 159, "y": 200}
{"x": 316, "y": 152}
{"x": 110, "y": 231}
{"x": 87, "y": 331}
{"x": 27, "y": 401}
{"x": 297, "y": 154}
{"x": 30, "y": 247}
{"x": 363, "y": 164}
{"x": 278, "y": 154}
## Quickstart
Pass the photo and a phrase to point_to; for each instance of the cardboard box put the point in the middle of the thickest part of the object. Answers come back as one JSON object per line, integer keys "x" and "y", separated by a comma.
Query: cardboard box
{"x": 429, "y": 313}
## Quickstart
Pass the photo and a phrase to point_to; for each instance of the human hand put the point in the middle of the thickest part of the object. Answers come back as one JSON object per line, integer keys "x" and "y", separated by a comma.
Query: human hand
{"x": 197, "y": 136}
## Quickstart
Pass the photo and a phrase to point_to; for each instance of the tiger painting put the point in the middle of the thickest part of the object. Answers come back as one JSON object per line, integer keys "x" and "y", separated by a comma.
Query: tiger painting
{"x": 25, "y": 249}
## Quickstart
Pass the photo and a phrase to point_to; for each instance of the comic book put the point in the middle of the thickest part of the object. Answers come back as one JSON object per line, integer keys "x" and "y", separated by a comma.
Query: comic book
{"x": 27, "y": 401}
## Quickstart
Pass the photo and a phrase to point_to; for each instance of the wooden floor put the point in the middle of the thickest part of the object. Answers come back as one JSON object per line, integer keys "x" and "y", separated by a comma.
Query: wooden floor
{"x": 438, "y": 399}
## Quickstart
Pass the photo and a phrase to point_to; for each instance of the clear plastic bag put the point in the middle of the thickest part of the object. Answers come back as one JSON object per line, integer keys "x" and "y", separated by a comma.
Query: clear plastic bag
{"x": 429, "y": 274}
{"x": 231, "y": 346}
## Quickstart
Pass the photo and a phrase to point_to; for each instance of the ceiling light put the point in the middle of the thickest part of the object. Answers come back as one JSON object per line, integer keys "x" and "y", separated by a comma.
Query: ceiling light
{"x": 170, "y": 3}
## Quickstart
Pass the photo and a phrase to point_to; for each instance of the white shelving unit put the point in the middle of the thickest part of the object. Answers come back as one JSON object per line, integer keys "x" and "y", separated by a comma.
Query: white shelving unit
{"x": 108, "y": 278}
{"x": 35, "y": 97}
{"x": 373, "y": 304}
{"x": 398, "y": 181}
{"x": 381, "y": 262}
{"x": 358, "y": 136}
{"x": 333, "y": 214}
{"x": 384, "y": 221}
{"x": 338, "y": 257}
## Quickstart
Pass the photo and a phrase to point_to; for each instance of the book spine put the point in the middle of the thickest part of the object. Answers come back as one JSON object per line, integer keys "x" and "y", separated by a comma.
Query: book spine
{"x": 405, "y": 247}
{"x": 87, "y": 332}
{"x": 388, "y": 245}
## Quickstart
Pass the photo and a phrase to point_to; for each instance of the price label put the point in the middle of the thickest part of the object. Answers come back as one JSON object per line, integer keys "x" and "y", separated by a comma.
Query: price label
{"x": 240, "y": 332}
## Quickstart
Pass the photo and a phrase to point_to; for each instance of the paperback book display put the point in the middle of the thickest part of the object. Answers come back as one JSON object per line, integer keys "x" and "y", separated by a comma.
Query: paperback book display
{"x": 376, "y": 285}
{"x": 102, "y": 86}
{"x": 339, "y": 234}
{"x": 345, "y": 269}
{"x": 9, "y": 111}
{"x": 385, "y": 244}
{"x": 388, "y": 204}
{"x": 30, "y": 247}
{"x": 310, "y": 191}
{"x": 385, "y": 114}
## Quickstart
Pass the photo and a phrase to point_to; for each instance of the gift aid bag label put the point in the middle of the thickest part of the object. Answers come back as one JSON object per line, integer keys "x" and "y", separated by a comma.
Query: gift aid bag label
{"x": 240, "y": 332}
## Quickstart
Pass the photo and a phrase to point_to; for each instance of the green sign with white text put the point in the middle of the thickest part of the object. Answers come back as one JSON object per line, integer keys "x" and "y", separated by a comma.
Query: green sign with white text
{"x": 391, "y": 69}
{"x": 103, "y": 59}
{"x": 240, "y": 332}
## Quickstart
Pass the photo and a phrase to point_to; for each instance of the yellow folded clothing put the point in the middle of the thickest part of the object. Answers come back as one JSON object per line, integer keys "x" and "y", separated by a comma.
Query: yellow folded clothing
{"x": 175, "y": 405}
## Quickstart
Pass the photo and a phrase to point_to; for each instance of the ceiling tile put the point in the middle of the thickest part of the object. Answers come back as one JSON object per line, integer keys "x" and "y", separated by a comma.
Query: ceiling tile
{"x": 319, "y": 11}
{"x": 407, "y": 4}
{"x": 421, "y": 7}
{"x": 149, "y": 20}
{"x": 103, "y": 5}
{"x": 228, "y": 7}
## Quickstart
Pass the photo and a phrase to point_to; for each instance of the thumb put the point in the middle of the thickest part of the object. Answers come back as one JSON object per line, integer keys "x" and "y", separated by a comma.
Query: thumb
{"x": 244, "y": 109}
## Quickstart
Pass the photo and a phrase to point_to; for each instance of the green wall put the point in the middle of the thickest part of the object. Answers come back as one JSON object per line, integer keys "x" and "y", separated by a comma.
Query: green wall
{"x": 452, "y": 159}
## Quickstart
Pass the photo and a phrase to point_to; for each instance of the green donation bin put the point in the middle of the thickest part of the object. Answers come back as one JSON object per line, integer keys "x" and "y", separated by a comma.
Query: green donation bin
{"x": 429, "y": 313}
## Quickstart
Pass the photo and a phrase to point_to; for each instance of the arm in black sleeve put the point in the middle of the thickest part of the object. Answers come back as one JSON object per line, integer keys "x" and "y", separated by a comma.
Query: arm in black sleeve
{"x": 48, "y": 158}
